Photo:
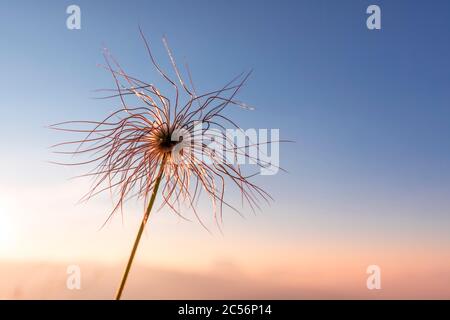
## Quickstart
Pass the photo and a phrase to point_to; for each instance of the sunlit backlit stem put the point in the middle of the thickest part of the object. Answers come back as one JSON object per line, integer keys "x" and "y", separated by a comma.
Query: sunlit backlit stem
{"x": 141, "y": 229}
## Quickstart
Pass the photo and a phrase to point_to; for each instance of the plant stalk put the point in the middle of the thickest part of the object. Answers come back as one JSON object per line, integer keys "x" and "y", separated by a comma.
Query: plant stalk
{"x": 141, "y": 230}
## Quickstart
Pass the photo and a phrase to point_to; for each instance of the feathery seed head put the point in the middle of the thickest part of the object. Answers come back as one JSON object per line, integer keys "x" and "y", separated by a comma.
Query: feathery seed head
{"x": 130, "y": 145}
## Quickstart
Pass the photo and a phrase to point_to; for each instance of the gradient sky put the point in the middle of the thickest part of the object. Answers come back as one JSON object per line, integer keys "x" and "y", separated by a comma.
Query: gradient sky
{"x": 369, "y": 172}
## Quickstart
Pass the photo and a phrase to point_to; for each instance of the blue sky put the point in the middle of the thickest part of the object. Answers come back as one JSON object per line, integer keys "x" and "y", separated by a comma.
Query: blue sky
{"x": 369, "y": 110}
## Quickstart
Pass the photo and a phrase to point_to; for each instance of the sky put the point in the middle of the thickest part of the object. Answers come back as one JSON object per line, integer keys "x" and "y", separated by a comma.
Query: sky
{"x": 367, "y": 179}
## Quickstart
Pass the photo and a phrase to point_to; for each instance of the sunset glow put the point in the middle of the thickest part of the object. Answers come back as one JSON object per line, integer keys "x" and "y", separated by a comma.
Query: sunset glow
{"x": 357, "y": 201}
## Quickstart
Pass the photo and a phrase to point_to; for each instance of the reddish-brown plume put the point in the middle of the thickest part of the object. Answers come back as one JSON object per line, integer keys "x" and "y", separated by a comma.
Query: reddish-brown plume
{"x": 128, "y": 147}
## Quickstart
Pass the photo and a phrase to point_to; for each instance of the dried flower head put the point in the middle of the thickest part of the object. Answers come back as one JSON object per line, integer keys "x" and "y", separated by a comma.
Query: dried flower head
{"x": 136, "y": 144}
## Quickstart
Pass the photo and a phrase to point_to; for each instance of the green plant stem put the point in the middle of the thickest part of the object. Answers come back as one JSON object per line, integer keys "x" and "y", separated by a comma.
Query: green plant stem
{"x": 141, "y": 230}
